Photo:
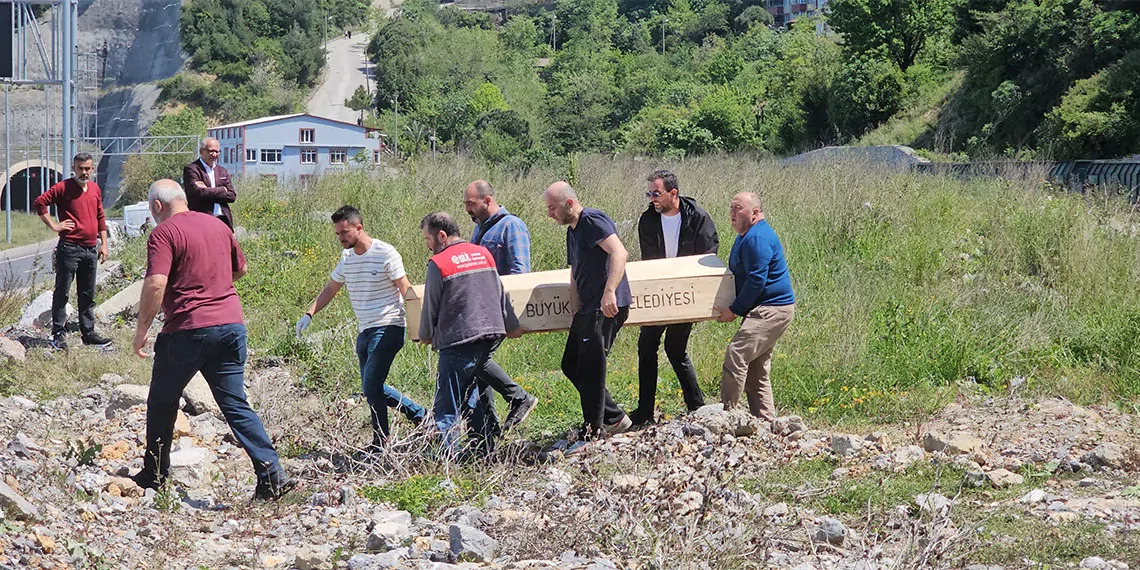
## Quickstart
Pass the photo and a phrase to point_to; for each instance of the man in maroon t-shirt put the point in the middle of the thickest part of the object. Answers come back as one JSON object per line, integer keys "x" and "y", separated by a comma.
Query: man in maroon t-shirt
{"x": 81, "y": 224}
{"x": 192, "y": 263}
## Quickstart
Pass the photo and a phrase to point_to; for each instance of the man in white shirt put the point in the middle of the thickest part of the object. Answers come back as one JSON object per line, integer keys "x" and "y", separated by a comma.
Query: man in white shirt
{"x": 208, "y": 185}
{"x": 374, "y": 273}
{"x": 672, "y": 226}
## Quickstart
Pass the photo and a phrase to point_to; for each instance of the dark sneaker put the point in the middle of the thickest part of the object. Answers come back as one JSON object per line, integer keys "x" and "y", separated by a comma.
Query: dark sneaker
{"x": 640, "y": 418}
{"x": 621, "y": 426}
{"x": 520, "y": 409}
{"x": 147, "y": 480}
{"x": 95, "y": 339}
{"x": 59, "y": 341}
{"x": 268, "y": 490}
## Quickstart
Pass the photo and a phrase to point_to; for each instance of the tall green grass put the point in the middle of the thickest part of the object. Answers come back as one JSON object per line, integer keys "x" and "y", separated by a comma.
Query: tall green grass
{"x": 26, "y": 229}
{"x": 908, "y": 286}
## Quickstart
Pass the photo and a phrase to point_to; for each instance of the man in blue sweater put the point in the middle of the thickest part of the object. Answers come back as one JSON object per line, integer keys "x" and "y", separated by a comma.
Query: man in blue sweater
{"x": 764, "y": 298}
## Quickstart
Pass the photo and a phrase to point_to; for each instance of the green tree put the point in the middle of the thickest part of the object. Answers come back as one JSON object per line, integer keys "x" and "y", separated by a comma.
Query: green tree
{"x": 755, "y": 15}
{"x": 580, "y": 107}
{"x": 488, "y": 97}
{"x": 894, "y": 29}
{"x": 141, "y": 170}
{"x": 1099, "y": 117}
{"x": 360, "y": 101}
{"x": 865, "y": 93}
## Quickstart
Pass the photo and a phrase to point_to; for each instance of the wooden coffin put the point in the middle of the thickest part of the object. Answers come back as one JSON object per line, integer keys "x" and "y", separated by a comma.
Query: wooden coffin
{"x": 665, "y": 291}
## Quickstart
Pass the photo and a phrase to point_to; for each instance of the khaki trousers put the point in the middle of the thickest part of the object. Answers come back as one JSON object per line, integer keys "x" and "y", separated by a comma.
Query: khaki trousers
{"x": 748, "y": 360}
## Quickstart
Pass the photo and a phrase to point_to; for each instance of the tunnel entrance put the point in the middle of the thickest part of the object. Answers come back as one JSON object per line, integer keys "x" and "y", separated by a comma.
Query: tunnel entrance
{"x": 27, "y": 183}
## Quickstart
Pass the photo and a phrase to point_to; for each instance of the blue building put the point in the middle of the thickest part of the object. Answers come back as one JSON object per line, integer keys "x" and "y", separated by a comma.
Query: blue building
{"x": 294, "y": 148}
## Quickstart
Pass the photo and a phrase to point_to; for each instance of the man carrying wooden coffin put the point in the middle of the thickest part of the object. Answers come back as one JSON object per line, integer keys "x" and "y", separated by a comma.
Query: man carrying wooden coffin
{"x": 600, "y": 299}
{"x": 373, "y": 273}
{"x": 506, "y": 236}
{"x": 764, "y": 298}
{"x": 672, "y": 226}
{"x": 465, "y": 316}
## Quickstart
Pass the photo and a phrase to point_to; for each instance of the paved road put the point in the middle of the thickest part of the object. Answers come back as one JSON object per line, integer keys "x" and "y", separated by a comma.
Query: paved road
{"x": 19, "y": 264}
{"x": 344, "y": 72}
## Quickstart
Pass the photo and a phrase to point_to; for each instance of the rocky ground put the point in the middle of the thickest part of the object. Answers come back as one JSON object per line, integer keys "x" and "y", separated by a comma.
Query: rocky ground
{"x": 987, "y": 483}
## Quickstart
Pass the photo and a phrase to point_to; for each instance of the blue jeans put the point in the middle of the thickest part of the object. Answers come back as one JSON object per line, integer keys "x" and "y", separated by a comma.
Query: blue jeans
{"x": 376, "y": 348}
{"x": 461, "y": 392}
{"x": 219, "y": 353}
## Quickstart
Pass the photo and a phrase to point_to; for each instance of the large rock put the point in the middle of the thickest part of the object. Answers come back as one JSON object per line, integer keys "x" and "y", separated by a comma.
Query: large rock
{"x": 935, "y": 503}
{"x": 312, "y": 558}
{"x": 378, "y": 561}
{"x": 387, "y": 536}
{"x": 11, "y": 351}
{"x": 16, "y": 506}
{"x": 1001, "y": 478}
{"x": 735, "y": 422}
{"x": 788, "y": 425}
{"x": 845, "y": 444}
{"x": 125, "y": 303}
{"x": 953, "y": 444}
{"x": 385, "y": 516}
{"x": 830, "y": 531}
{"x": 191, "y": 466}
{"x": 470, "y": 543}
{"x": 38, "y": 312}
{"x": 199, "y": 398}
{"x": 1106, "y": 455}
{"x": 106, "y": 271}
{"x": 124, "y": 397}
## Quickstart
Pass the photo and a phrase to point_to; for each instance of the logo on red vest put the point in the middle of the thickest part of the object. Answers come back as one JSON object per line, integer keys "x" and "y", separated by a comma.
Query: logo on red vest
{"x": 463, "y": 257}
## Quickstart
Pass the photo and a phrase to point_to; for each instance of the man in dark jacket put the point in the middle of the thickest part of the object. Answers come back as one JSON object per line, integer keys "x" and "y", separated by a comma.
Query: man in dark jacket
{"x": 465, "y": 316}
{"x": 672, "y": 226}
{"x": 208, "y": 185}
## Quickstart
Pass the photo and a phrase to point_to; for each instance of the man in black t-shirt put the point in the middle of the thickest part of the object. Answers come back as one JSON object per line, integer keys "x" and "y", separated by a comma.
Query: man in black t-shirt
{"x": 599, "y": 295}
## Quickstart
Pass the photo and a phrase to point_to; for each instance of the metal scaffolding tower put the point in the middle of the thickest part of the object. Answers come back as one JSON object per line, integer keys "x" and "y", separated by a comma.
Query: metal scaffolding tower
{"x": 56, "y": 59}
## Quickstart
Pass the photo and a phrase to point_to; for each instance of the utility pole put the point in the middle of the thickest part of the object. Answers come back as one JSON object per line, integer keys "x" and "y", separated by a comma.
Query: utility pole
{"x": 554, "y": 31}
{"x": 396, "y": 131}
{"x": 663, "y": 22}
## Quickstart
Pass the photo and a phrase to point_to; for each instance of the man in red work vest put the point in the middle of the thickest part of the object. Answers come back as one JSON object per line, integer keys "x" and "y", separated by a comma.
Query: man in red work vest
{"x": 465, "y": 317}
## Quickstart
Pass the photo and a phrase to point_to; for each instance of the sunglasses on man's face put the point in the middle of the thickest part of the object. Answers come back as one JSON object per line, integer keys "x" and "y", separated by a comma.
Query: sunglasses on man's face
{"x": 653, "y": 194}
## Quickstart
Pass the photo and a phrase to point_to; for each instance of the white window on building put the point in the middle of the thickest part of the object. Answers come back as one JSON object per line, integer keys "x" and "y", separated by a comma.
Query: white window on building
{"x": 308, "y": 156}
{"x": 271, "y": 155}
{"x": 251, "y": 155}
{"x": 337, "y": 155}
{"x": 308, "y": 136}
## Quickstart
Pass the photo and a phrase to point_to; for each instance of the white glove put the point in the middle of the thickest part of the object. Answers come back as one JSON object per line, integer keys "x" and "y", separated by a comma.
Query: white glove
{"x": 303, "y": 324}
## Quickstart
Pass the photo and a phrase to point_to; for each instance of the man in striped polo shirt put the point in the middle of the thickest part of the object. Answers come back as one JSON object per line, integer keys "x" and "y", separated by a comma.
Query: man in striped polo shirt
{"x": 374, "y": 273}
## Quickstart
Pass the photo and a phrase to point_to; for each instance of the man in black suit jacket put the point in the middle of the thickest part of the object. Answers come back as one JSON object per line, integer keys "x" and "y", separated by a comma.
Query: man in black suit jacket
{"x": 208, "y": 185}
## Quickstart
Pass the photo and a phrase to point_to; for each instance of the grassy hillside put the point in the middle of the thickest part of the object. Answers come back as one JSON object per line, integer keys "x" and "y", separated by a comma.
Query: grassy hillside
{"x": 908, "y": 286}
{"x": 913, "y": 125}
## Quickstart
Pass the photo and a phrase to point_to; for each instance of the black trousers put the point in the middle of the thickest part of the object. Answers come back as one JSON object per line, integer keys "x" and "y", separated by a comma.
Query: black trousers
{"x": 676, "y": 349}
{"x": 584, "y": 364}
{"x": 78, "y": 262}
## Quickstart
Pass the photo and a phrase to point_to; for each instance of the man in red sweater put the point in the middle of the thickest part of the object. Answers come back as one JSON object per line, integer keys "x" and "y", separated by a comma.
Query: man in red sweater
{"x": 82, "y": 229}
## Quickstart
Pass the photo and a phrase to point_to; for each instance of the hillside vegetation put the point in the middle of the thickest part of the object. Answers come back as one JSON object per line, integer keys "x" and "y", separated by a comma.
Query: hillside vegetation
{"x": 1033, "y": 78}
